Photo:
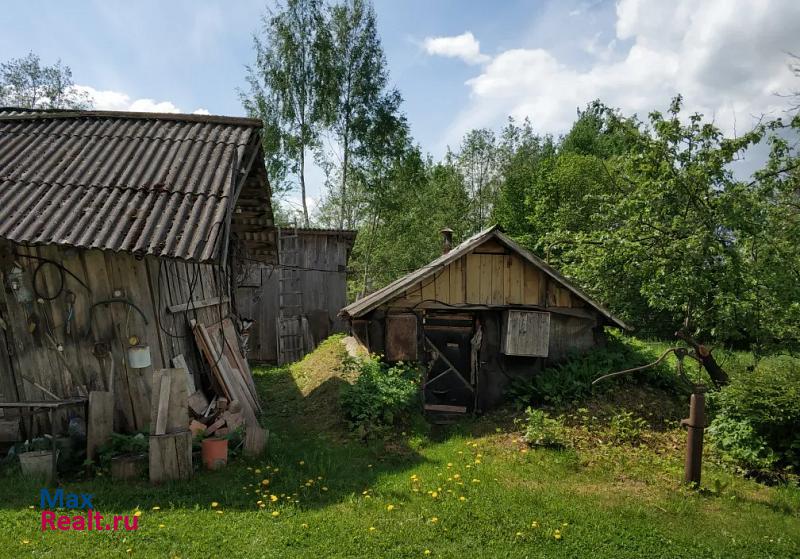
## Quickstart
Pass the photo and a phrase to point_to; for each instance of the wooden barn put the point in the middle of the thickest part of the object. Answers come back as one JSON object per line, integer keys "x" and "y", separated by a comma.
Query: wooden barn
{"x": 115, "y": 230}
{"x": 294, "y": 304}
{"x": 482, "y": 313}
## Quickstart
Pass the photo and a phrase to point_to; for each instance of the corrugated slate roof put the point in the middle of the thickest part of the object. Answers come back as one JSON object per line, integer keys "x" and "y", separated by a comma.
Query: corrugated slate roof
{"x": 397, "y": 288}
{"x": 145, "y": 183}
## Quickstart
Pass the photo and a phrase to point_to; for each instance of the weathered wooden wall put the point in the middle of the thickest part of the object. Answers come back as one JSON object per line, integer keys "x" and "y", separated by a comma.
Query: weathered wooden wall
{"x": 150, "y": 283}
{"x": 491, "y": 275}
{"x": 323, "y": 255}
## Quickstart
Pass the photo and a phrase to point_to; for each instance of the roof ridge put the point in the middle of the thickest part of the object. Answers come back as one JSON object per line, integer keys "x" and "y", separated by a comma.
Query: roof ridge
{"x": 21, "y": 113}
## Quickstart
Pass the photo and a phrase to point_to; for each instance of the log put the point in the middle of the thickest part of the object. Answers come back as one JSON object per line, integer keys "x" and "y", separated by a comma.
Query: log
{"x": 100, "y": 421}
{"x": 170, "y": 457}
{"x": 128, "y": 466}
{"x": 176, "y": 407}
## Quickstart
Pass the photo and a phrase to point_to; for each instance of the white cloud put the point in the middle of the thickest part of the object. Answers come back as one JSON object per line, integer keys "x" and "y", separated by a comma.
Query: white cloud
{"x": 109, "y": 100}
{"x": 463, "y": 46}
{"x": 726, "y": 57}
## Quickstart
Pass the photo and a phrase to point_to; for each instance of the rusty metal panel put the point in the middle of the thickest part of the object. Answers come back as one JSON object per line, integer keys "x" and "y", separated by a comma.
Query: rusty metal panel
{"x": 142, "y": 183}
{"x": 526, "y": 333}
{"x": 401, "y": 337}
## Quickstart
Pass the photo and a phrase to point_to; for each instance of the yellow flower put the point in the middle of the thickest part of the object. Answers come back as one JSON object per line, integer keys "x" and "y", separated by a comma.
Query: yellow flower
{"x": 262, "y": 505}
{"x": 273, "y": 498}
{"x": 129, "y": 550}
{"x": 372, "y": 528}
{"x": 31, "y": 507}
{"x": 519, "y": 534}
{"x": 477, "y": 461}
{"x": 557, "y": 534}
{"x": 434, "y": 494}
{"x": 462, "y": 498}
{"x": 475, "y": 480}
{"x": 156, "y": 507}
{"x": 275, "y": 513}
{"x": 302, "y": 462}
{"x": 258, "y": 471}
{"x": 264, "y": 482}
{"x": 434, "y": 520}
{"x": 324, "y": 488}
{"x": 26, "y": 542}
{"x": 220, "y": 512}
{"x": 161, "y": 526}
{"x": 534, "y": 524}
{"x": 304, "y": 525}
{"x": 137, "y": 513}
{"x": 427, "y": 552}
{"x": 449, "y": 464}
{"x": 390, "y": 507}
{"x": 369, "y": 465}
{"x": 565, "y": 524}
{"x": 456, "y": 476}
{"x": 214, "y": 504}
{"x": 276, "y": 470}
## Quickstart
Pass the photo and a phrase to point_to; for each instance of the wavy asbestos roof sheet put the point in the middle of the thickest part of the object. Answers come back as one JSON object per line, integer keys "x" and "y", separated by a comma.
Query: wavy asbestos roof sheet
{"x": 158, "y": 184}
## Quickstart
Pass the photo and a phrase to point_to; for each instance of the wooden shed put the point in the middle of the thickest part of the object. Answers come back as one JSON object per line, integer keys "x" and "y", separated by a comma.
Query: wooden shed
{"x": 478, "y": 315}
{"x": 115, "y": 229}
{"x": 299, "y": 297}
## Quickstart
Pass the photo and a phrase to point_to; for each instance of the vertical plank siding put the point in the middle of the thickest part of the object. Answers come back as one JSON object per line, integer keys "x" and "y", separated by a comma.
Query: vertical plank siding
{"x": 489, "y": 277}
{"x": 323, "y": 256}
{"x": 69, "y": 364}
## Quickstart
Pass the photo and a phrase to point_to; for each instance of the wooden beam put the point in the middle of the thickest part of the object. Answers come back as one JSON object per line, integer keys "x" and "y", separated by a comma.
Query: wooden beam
{"x": 199, "y": 304}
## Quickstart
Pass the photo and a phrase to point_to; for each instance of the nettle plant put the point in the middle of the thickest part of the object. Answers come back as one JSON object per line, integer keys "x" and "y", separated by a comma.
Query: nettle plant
{"x": 381, "y": 396}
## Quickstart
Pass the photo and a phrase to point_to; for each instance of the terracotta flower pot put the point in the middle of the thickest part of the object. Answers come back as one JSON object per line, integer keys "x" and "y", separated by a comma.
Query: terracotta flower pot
{"x": 215, "y": 453}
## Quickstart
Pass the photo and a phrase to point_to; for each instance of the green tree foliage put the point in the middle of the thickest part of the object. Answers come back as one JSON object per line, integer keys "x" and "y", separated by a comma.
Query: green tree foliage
{"x": 25, "y": 82}
{"x": 289, "y": 87}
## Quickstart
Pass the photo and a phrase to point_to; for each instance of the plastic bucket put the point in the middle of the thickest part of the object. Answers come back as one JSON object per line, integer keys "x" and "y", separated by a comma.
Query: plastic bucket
{"x": 214, "y": 453}
{"x": 38, "y": 464}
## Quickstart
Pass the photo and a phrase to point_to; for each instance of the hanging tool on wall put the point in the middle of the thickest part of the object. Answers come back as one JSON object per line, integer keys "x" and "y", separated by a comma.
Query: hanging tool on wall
{"x": 695, "y": 422}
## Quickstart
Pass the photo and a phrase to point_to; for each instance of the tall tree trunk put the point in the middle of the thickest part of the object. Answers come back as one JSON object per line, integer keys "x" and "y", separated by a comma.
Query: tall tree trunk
{"x": 303, "y": 185}
{"x": 343, "y": 192}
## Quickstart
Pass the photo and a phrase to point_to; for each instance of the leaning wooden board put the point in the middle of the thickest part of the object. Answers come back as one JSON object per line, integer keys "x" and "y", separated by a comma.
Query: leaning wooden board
{"x": 255, "y": 437}
{"x": 235, "y": 358}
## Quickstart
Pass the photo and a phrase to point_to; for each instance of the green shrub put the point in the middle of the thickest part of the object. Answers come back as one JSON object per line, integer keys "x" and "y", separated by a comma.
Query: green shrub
{"x": 380, "y": 396}
{"x": 543, "y": 430}
{"x": 757, "y": 419}
{"x": 571, "y": 380}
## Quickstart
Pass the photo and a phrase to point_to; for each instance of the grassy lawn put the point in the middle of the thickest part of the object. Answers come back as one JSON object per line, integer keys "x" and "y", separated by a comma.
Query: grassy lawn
{"x": 467, "y": 490}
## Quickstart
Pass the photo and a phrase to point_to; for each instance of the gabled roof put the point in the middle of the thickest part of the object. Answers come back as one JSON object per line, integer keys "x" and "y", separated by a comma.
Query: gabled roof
{"x": 398, "y": 287}
{"x": 160, "y": 184}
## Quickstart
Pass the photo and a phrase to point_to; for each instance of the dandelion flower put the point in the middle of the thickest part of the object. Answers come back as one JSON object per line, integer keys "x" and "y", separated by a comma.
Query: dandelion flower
{"x": 390, "y": 507}
{"x": 220, "y": 512}
{"x": 161, "y": 526}
{"x": 427, "y": 552}
{"x": 565, "y": 524}
{"x": 129, "y": 550}
{"x": 456, "y": 476}
{"x": 372, "y": 528}
{"x": 137, "y": 514}
{"x": 518, "y": 534}
{"x": 214, "y": 504}
{"x": 557, "y": 534}
{"x": 324, "y": 488}
{"x": 264, "y": 482}
{"x": 258, "y": 471}
{"x": 449, "y": 464}
{"x": 434, "y": 494}
{"x": 273, "y": 498}
{"x": 462, "y": 498}
{"x": 302, "y": 462}
{"x": 156, "y": 507}
{"x": 275, "y": 513}
{"x": 434, "y": 520}
{"x": 534, "y": 524}
{"x": 304, "y": 525}
{"x": 31, "y": 507}
{"x": 26, "y": 542}
{"x": 474, "y": 480}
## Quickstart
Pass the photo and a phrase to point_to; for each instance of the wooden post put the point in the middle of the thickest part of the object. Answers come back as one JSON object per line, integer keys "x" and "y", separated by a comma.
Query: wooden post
{"x": 694, "y": 438}
{"x": 100, "y": 421}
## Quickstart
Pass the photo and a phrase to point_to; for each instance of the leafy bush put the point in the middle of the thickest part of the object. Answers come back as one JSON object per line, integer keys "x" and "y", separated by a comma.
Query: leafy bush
{"x": 543, "y": 430}
{"x": 120, "y": 444}
{"x": 626, "y": 428}
{"x": 757, "y": 421}
{"x": 380, "y": 396}
{"x": 572, "y": 380}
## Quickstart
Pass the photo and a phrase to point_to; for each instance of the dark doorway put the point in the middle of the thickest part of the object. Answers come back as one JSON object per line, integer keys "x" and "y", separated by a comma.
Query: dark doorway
{"x": 449, "y": 382}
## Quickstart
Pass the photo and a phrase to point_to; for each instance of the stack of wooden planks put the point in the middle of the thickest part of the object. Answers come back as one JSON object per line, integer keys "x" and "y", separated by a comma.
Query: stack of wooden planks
{"x": 232, "y": 380}
{"x": 170, "y": 440}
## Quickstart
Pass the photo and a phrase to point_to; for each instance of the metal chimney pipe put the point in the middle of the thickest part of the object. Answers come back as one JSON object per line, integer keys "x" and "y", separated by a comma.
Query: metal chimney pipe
{"x": 447, "y": 239}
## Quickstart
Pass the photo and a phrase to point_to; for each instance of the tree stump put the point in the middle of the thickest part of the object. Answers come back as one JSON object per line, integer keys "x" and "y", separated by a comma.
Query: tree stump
{"x": 128, "y": 466}
{"x": 170, "y": 456}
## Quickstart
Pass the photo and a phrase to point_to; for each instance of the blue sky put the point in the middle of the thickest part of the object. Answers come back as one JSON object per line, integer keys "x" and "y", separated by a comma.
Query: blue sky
{"x": 458, "y": 64}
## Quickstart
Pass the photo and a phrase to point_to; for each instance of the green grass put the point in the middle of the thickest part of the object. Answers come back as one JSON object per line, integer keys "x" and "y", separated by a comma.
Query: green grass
{"x": 605, "y": 500}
